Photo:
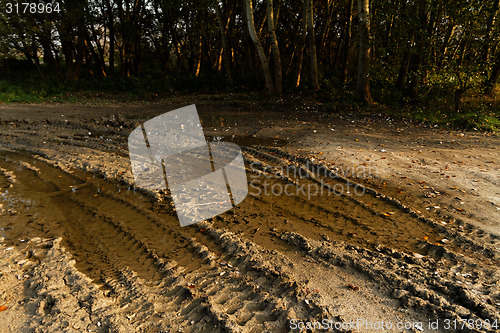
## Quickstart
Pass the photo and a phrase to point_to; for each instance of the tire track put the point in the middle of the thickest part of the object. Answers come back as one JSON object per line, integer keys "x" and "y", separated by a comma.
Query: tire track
{"x": 235, "y": 273}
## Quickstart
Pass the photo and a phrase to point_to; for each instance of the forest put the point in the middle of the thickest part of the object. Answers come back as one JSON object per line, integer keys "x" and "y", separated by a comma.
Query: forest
{"x": 396, "y": 52}
{"x": 249, "y": 166}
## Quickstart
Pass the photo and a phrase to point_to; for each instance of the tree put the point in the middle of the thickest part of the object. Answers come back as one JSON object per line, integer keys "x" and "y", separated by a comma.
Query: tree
{"x": 494, "y": 77}
{"x": 363, "y": 82}
{"x": 301, "y": 45}
{"x": 274, "y": 46}
{"x": 417, "y": 49}
{"x": 490, "y": 28}
{"x": 312, "y": 44}
{"x": 111, "y": 28}
{"x": 260, "y": 51}
{"x": 409, "y": 44}
{"x": 347, "y": 42}
{"x": 225, "y": 44}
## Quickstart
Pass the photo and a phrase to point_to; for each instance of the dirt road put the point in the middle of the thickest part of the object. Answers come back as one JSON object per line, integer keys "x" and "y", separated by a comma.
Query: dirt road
{"x": 353, "y": 223}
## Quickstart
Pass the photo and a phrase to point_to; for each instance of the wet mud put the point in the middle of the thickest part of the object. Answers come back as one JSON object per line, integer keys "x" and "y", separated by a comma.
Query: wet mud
{"x": 306, "y": 244}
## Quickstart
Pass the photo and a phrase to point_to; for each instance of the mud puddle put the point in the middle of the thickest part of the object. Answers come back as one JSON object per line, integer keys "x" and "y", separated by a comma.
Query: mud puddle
{"x": 105, "y": 225}
{"x": 108, "y": 225}
{"x": 248, "y": 141}
{"x": 285, "y": 196}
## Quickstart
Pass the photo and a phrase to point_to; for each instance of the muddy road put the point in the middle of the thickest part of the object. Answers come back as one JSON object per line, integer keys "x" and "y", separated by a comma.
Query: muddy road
{"x": 349, "y": 219}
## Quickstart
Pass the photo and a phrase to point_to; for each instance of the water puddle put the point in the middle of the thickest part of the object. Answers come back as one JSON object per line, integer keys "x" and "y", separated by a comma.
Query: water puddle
{"x": 105, "y": 225}
{"x": 248, "y": 141}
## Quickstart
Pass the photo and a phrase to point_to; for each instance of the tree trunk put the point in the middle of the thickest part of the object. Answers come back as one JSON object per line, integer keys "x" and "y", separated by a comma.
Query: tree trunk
{"x": 33, "y": 55}
{"x": 495, "y": 76}
{"x": 98, "y": 66}
{"x": 417, "y": 53}
{"x": 111, "y": 70}
{"x": 67, "y": 49}
{"x": 449, "y": 33}
{"x": 200, "y": 55}
{"x": 347, "y": 42}
{"x": 458, "y": 99}
{"x": 363, "y": 82}
{"x": 80, "y": 53}
{"x": 260, "y": 51}
{"x": 325, "y": 28}
{"x": 403, "y": 70}
{"x": 294, "y": 45}
{"x": 312, "y": 44}
{"x": 48, "y": 57}
{"x": 490, "y": 28}
{"x": 301, "y": 47}
{"x": 225, "y": 46}
{"x": 390, "y": 25}
{"x": 274, "y": 47}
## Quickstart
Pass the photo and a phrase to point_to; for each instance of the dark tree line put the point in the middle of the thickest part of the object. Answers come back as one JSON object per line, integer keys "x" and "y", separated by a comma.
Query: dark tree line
{"x": 410, "y": 44}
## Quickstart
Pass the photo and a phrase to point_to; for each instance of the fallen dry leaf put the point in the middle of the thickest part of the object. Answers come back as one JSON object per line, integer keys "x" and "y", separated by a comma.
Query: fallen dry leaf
{"x": 353, "y": 287}
{"x": 3, "y": 308}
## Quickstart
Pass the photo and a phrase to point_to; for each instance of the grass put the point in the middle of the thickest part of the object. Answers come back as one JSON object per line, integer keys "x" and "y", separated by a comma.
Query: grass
{"x": 479, "y": 114}
{"x": 31, "y": 89}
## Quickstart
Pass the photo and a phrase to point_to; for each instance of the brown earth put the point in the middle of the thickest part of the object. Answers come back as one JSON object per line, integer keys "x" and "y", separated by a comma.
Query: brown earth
{"x": 385, "y": 222}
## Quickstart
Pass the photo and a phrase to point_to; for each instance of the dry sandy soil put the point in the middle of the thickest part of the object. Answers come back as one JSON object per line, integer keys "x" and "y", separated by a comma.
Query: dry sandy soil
{"x": 386, "y": 225}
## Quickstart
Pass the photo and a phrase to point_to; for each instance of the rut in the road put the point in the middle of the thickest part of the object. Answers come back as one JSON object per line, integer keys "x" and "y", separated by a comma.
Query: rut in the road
{"x": 231, "y": 274}
{"x": 139, "y": 255}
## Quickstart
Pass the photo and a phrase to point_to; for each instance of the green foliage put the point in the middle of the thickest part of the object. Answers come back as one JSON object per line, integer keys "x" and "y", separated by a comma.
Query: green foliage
{"x": 31, "y": 89}
{"x": 478, "y": 115}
